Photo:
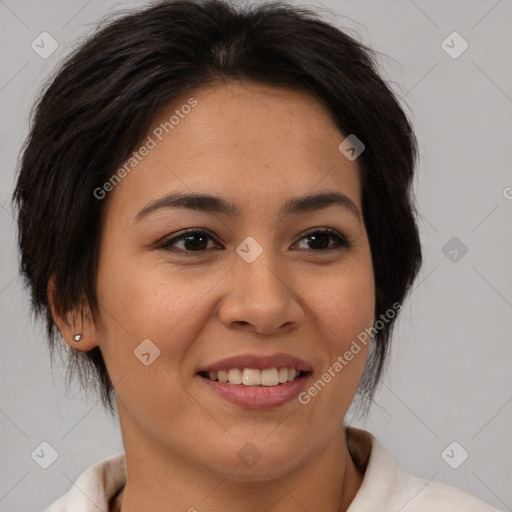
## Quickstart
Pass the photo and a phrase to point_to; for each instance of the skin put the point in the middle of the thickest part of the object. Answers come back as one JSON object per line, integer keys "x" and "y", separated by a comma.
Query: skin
{"x": 257, "y": 146}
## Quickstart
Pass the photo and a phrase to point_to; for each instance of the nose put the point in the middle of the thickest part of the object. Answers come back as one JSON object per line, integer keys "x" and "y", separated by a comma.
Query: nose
{"x": 261, "y": 298}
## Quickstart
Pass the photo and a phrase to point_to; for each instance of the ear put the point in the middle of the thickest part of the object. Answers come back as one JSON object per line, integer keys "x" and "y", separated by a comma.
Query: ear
{"x": 77, "y": 321}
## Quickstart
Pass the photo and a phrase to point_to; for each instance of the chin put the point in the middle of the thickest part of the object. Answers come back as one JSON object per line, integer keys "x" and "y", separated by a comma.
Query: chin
{"x": 260, "y": 460}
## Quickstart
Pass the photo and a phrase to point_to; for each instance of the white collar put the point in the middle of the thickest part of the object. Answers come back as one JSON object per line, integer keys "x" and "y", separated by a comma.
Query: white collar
{"x": 385, "y": 487}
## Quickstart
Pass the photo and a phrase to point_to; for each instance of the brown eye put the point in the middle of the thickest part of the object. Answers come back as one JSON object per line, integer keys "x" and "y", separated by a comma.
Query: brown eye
{"x": 191, "y": 241}
{"x": 319, "y": 240}
{"x": 196, "y": 241}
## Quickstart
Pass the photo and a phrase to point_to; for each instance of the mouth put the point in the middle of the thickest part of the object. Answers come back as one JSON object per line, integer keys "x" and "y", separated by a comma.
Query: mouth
{"x": 256, "y": 382}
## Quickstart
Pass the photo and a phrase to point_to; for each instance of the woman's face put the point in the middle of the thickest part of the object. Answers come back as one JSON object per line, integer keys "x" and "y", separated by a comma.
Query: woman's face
{"x": 266, "y": 282}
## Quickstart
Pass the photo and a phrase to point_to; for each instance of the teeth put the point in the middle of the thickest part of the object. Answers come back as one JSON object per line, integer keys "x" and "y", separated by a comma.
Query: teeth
{"x": 269, "y": 377}
{"x": 255, "y": 377}
{"x": 250, "y": 377}
{"x": 235, "y": 376}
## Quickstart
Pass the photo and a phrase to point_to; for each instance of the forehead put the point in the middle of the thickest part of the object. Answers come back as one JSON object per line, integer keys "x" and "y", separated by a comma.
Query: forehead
{"x": 256, "y": 116}
{"x": 250, "y": 142}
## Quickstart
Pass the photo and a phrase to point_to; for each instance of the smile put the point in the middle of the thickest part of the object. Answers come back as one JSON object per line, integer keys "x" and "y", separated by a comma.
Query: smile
{"x": 254, "y": 377}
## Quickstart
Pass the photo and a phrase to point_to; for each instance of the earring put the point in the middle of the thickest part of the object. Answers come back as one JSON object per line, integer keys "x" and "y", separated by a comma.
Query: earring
{"x": 77, "y": 337}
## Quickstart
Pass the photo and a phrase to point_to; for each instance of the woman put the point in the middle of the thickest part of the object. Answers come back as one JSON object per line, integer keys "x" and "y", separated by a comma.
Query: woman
{"x": 215, "y": 215}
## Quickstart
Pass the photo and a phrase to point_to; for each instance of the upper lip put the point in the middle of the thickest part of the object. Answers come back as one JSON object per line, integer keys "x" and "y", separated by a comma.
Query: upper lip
{"x": 280, "y": 360}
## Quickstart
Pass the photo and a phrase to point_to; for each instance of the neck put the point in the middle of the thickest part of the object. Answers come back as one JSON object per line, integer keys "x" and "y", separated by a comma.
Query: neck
{"x": 158, "y": 481}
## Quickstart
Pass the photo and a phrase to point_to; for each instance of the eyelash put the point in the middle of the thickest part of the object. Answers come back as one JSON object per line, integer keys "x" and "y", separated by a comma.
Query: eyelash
{"x": 167, "y": 244}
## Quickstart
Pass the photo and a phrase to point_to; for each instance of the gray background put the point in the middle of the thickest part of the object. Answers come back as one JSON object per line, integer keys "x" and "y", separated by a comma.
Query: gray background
{"x": 449, "y": 375}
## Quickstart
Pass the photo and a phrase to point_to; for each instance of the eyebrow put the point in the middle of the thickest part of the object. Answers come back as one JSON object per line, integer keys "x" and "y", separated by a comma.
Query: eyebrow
{"x": 214, "y": 204}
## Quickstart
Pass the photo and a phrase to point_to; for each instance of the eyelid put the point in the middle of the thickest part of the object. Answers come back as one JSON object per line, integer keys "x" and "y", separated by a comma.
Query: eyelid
{"x": 330, "y": 231}
{"x": 165, "y": 243}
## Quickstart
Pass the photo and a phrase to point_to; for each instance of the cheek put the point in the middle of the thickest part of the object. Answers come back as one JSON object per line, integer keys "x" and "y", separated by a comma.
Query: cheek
{"x": 345, "y": 309}
{"x": 158, "y": 302}
{"x": 345, "y": 303}
{"x": 137, "y": 303}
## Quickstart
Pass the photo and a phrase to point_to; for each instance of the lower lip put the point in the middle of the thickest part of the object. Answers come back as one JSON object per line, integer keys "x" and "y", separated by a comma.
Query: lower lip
{"x": 257, "y": 397}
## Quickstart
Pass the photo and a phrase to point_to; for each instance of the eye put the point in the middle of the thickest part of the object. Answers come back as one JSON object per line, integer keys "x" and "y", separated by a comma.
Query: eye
{"x": 195, "y": 240}
{"x": 319, "y": 238}
{"x": 192, "y": 240}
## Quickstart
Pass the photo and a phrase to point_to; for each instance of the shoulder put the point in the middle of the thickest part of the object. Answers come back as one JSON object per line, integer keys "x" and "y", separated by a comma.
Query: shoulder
{"x": 430, "y": 495}
{"x": 387, "y": 488}
{"x": 94, "y": 488}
